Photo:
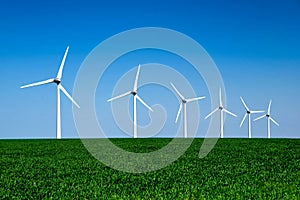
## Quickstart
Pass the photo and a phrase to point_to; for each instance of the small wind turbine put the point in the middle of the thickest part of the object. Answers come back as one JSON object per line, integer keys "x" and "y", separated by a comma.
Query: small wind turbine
{"x": 222, "y": 109}
{"x": 269, "y": 118}
{"x": 135, "y": 97}
{"x": 183, "y": 104}
{"x": 57, "y": 80}
{"x": 248, "y": 112}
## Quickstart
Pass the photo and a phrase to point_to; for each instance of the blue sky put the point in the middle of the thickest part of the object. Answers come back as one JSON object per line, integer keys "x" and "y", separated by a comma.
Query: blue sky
{"x": 255, "y": 45}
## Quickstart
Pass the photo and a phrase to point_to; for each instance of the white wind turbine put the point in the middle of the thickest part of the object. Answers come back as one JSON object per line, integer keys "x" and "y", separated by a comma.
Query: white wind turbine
{"x": 135, "y": 98}
{"x": 183, "y": 104}
{"x": 269, "y": 118}
{"x": 222, "y": 109}
{"x": 57, "y": 80}
{"x": 248, "y": 112}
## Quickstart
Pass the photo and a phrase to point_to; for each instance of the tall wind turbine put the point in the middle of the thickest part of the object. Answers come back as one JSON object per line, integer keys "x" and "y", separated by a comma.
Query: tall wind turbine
{"x": 222, "y": 110}
{"x": 135, "y": 98}
{"x": 183, "y": 104}
{"x": 248, "y": 112}
{"x": 57, "y": 80}
{"x": 269, "y": 118}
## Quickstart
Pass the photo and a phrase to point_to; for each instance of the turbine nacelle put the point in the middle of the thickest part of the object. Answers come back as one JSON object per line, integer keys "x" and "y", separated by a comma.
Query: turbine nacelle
{"x": 57, "y": 81}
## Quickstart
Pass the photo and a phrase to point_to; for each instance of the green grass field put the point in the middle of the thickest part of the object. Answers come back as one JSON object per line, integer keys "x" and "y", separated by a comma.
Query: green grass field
{"x": 234, "y": 169}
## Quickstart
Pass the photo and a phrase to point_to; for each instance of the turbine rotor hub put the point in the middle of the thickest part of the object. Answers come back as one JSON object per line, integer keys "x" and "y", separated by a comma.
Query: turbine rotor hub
{"x": 221, "y": 107}
{"x": 248, "y": 112}
{"x": 183, "y": 101}
{"x": 57, "y": 81}
{"x": 133, "y": 93}
{"x": 267, "y": 115}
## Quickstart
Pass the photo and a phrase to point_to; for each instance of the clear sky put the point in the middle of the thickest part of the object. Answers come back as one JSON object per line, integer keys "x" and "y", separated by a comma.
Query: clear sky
{"x": 255, "y": 45}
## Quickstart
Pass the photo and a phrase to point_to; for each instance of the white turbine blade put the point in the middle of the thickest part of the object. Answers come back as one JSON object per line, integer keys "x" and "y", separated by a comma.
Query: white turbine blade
{"x": 269, "y": 108}
{"x": 243, "y": 119}
{"x": 245, "y": 104}
{"x": 119, "y": 96}
{"x": 67, "y": 94}
{"x": 220, "y": 97}
{"x": 259, "y": 117}
{"x": 229, "y": 112}
{"x": 274, "y": 121}
{"x": 178, "y": 113}
{"x": 256, "y": 111}
{"x": 38, "y": 83}
{"x": 136, "y": 78}
{"x": 143, "y": 102}
{"x": 215, "y": 110}
{"x": 59, "y": 74}
{"x": 194, "y": 99}
{"x": 177, "y": 92}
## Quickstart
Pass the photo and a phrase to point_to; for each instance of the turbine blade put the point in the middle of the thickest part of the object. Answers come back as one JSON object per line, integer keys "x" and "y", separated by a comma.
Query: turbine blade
{"x": 178, "y": 113}
{"x": 177, "y": 92}
{"x": 229, "y": 112}
{"x": 119, "y": 96}
{"x": 259, "y": 117}
{"x": 215, "y": 110}
{"x": 38, "y": 83}
{"x": 243, "y": 119}
{"x": 195, "y": 99}
{"x": 269, "y": 108}
{"x": 220, "y": 97}
{"x": 136, "y": 78}
{"x": 67, "y": 94}
{"x": 274, "y": 121}
{"x": 59, "y": 74}
{"x": 245, "y": 105}
{"x": 143, "y": 102}
{"x": 256, "y": 111}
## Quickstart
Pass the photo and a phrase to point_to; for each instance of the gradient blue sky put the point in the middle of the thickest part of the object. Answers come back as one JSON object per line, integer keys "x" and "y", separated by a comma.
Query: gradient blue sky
{"x": 255, "y": 45}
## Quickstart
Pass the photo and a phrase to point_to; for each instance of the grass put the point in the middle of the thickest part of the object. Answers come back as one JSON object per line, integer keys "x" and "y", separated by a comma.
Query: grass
{"x": 234, "y": 169}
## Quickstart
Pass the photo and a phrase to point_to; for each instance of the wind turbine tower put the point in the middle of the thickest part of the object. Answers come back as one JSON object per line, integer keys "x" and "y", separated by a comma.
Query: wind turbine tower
{"x": 183, "y": 103}
{"x": 269, "y": 119}
{"x": 222, "y": 110}
{"x": 57, "y": 81}
{"x": 248, "y": 112}
{"x": 133, "y": 92}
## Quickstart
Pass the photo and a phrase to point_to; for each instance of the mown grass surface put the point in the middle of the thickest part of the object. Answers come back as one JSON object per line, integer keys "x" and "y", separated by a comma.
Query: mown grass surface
{"x": 234, "y": 169}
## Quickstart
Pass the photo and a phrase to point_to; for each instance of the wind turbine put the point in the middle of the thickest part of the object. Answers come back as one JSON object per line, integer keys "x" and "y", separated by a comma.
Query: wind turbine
{"x": 248, "y": 112}
{"x": 135, "y": 98}
{"x": 269, "y": 118}
{"x": 57, "y": 80}
{"x": 183, "y": 103}
{"x": 222, "y": 109}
